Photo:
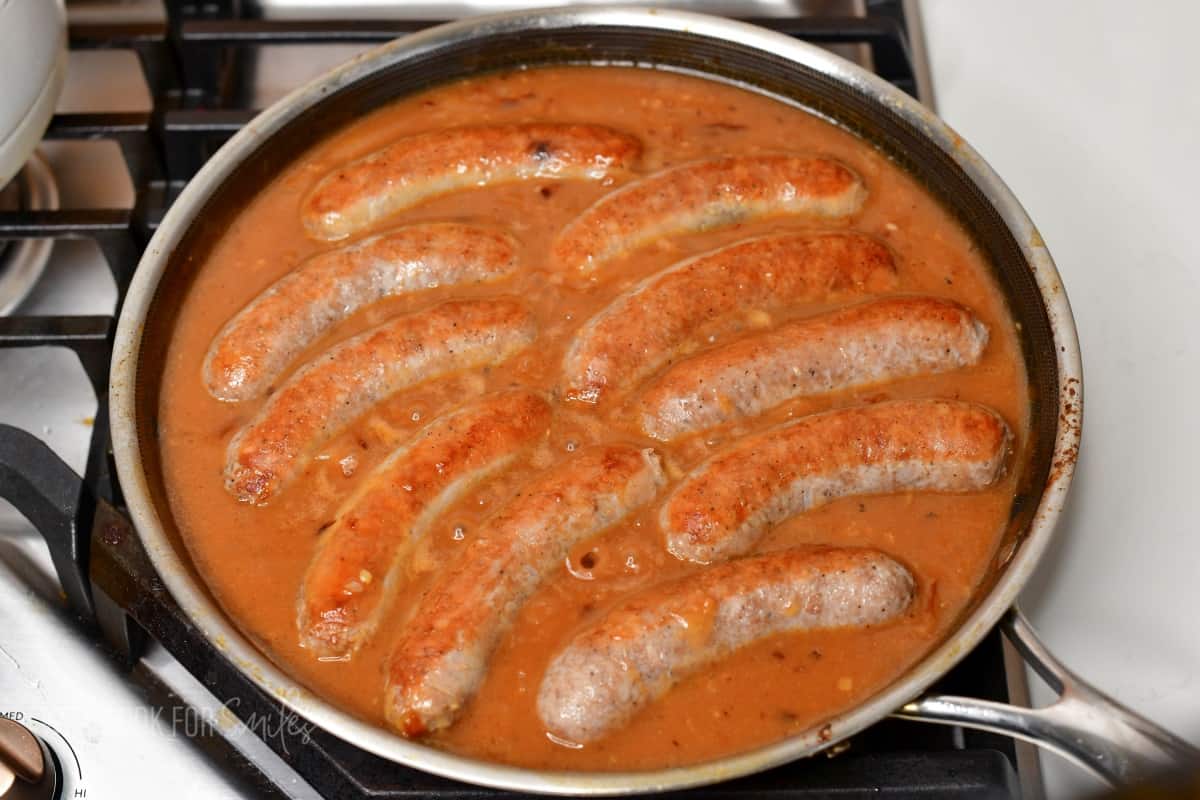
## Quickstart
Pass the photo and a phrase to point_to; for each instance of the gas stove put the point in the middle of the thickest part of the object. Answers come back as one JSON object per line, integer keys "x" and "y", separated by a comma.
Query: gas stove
{"x": 96, "y": 661}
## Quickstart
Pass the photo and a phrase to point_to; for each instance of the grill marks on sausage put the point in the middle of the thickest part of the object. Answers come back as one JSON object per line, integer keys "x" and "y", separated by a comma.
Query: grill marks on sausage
{"x": 703, "y": 196}
{"x": 418, "y": 168}
{"x": 662, "y": 317}
{"x": 722, "y": 507}
{"x": 358, "y": 565}
{"x": 349, "y": 379}
{"x": 257, "y": 344}
{"x": 870, "y": 343}
{"x": 443, "y": 653}
{"x": 635, "y": 653}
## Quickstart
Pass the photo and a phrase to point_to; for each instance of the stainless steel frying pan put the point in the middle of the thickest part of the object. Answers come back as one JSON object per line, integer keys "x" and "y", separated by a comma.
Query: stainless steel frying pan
{"x": 1083, "y": 724}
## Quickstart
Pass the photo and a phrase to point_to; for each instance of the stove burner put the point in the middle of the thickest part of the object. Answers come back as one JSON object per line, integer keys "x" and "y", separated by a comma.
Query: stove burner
{"x": 22, "y": 260}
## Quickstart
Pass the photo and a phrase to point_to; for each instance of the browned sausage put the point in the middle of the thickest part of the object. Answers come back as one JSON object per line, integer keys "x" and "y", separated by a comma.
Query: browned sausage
{"x": 665, "y": 315}
{"x": 415, "y": 169}
{"x": 706, "y": 195}
{"x": 722, "y": 507}
{"x": 642, "y": 648}
{"x": 257, "y": 345}
{"x": 357, "y": 568}
{"x": 874, "y": 342}
{"x": 444, "y": 650}
{"x": 346, "y": 381}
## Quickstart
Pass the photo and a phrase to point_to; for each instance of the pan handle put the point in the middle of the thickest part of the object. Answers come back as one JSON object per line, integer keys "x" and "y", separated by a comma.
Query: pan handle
{"x": 1083, "y": 725}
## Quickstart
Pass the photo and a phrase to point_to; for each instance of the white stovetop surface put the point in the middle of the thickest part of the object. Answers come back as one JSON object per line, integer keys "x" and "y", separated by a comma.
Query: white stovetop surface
{"x": 1089, "y": 111}
{"x": 1091, "y": 115}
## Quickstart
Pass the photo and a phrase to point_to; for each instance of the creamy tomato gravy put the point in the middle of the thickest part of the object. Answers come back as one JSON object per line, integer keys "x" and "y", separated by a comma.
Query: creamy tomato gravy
{"x": 253, "y": 558}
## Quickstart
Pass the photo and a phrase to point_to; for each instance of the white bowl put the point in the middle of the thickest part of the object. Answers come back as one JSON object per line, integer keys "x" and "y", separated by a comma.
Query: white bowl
{"x": 33, "y": 62}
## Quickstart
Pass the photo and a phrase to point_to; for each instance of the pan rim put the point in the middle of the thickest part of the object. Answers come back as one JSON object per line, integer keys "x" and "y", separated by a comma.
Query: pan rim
{"x": 217, "y": 628}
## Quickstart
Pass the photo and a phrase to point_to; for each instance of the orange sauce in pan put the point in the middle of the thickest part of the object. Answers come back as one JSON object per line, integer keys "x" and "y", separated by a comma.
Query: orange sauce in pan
{"x": 253, "y": 557}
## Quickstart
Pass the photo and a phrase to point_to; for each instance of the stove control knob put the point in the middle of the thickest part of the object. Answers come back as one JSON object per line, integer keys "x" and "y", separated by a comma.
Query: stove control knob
{"x": 27, "y": 769}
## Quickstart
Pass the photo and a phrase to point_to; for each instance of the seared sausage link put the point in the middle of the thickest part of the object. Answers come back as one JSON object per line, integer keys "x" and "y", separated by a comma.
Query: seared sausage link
{"x": 359, "y": 563}
{"x": 663, "y": 316}
{"x": 413, "y": 170}
{"x": 443, "y": 653}
{"x": 257, "y": 344}
{"x": 347, "y": 380}
{"x": 884, "y": 340}
{"x": 706, "y": 195}
{"x": 639, "y": 650}
{"x": 722, "y": 507}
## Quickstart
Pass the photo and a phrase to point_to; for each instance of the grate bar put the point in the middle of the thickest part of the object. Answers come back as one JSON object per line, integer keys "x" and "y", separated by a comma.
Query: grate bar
{"x": 253, "y": 33}
{"x": 110, "y": 228}
{"x": 130, "y": 130}
{"x": 115, "y": 35}
{"x": 193, "y": 135}
{"x": 90, "y": 337}
{"x": 147, "y": 39}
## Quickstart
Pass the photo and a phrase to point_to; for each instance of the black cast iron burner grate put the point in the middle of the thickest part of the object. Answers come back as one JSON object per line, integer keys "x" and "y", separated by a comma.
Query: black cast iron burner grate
{"x": 196, "y": 71}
